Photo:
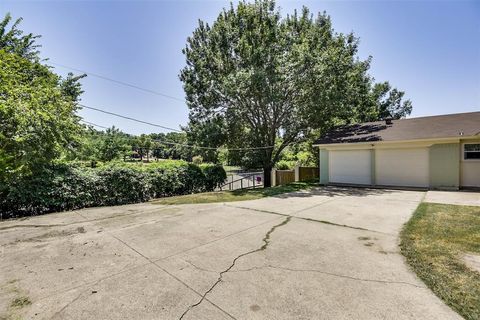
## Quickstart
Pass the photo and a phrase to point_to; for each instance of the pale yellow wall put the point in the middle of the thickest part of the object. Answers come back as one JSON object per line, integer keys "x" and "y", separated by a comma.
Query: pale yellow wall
{"x": 469, "y": 169}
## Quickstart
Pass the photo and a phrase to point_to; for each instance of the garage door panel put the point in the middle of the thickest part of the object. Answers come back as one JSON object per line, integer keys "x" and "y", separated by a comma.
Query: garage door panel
{"x": 352, "y": 167}
{"x": 402, "y": 167}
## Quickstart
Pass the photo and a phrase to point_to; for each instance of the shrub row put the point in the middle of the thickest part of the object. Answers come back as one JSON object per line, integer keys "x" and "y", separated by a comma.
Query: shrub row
{"x": 68, "y": 186}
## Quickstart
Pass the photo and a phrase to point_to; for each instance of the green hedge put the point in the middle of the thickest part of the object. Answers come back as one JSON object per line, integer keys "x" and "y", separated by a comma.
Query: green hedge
{"x": 70, "y": 186}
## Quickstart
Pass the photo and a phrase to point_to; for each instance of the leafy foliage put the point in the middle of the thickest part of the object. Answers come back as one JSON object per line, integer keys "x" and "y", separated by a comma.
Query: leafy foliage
{"x": 14, "y": 41}
{"x": 59, "y": 187}
{"x": 215, "y": 176}
{"x": 171, "y": 145}
{"x": 253, "y": 78}
{"x": 114, "y": 145}
{"x": 37, "y": 120}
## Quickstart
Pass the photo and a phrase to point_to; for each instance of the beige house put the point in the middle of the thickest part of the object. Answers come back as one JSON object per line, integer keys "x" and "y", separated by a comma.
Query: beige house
{"x": 438, "y": 152}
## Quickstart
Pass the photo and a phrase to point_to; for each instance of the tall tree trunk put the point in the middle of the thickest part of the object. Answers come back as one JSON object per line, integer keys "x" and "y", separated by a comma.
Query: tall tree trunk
{"x": 267, "y": 176}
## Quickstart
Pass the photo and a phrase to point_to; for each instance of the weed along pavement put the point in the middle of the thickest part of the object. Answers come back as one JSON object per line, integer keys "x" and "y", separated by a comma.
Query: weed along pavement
{"x": 326, "y": 253}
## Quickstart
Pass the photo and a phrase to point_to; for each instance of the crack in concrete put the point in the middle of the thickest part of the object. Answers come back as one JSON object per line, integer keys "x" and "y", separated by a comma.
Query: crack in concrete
{"x": 149, "y": 262}
{"x": 169, "y": 273}
{"x": 331, "y": 274}
{"x": 214, "y": 240}
{"x": 266, "y": 242}
{"x": 310, "y": 219}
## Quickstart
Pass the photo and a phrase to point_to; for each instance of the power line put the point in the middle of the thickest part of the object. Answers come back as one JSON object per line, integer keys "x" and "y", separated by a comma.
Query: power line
{"x": 172, "y": 142}
{"x": 119, "y": 82}
{"x": 185, "y": 144}
{"x": 142, "y": 121}
{"x": 129, "y": 118}
{"x": 210, "y": 148}
{"x": 93, "y": 124}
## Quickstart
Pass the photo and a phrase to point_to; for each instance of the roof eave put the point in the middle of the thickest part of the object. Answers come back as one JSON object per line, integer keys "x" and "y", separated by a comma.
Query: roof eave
{"x": 445, "y": 139}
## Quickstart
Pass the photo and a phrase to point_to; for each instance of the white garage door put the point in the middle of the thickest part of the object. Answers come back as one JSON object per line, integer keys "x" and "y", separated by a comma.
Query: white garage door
{"x": 352, "y": 166}
{"x": 402, "y": 167}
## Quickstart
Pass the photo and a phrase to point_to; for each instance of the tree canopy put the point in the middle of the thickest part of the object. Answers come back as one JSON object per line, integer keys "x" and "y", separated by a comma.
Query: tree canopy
{"x": 13, "y": 39}
{"x": 38, "y": 121}
{"x": 266, "y": 82}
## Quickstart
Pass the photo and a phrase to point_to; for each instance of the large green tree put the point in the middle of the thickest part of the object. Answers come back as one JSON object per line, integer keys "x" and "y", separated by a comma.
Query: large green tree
{"x": 273, "y": 81}
{"x": 114, "y": 145}
{"x": 38, "y": 121}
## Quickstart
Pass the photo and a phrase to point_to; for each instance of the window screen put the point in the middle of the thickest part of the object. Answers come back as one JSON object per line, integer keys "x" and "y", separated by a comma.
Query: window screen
{"x": 471, "y": 151}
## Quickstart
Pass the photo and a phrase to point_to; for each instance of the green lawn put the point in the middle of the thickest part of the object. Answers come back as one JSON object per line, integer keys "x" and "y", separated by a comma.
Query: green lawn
{"x": 434, "y": 241}
{"x": 237, "y": 195}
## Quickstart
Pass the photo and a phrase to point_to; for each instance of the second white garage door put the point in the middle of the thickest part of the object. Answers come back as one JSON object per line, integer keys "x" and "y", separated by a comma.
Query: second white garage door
{"x": 352, "y": 167}
{"x": 402, "y": 167}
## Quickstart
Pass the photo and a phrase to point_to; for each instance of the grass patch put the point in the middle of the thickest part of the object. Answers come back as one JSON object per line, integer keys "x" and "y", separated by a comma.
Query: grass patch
{"x": 236, "y": 195}
{"x": 433, "y": 241}
{"x": 20, "y": 302}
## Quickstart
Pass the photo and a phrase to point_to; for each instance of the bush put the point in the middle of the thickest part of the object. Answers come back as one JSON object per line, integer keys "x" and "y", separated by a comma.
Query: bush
{"x": 55, "y": 188}
{"x": 215, "y": 176}
{"x": 117, "y": 185}
{"x": 62, "y": 187}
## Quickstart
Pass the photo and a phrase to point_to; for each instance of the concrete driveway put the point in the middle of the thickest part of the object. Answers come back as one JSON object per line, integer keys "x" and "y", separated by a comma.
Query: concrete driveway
{"x": 330, "y": 253}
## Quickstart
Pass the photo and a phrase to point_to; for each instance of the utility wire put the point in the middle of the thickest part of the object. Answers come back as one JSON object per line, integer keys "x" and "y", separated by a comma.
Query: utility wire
{"x": 169, "y": 142}
{"x": 93, "y": 124}
{"x": 142, "y": 121}
{"x": 210, "y": 148}
{"x": 172, "y": 142}
{"x": 118, "y": 82}
{"x": 128, "y": 118}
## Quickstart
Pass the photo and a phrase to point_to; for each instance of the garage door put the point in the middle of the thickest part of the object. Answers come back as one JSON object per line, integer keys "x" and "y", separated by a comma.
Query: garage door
{"x": 353, "y": 166}
{"x": 402, "y": 167}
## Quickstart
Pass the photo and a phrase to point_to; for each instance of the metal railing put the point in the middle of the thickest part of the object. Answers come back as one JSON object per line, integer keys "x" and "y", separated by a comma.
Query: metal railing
{"x": 251, "y": 181}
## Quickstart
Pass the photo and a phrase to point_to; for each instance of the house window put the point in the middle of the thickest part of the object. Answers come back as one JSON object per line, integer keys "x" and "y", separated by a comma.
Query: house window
{"x": 471, "y": 151}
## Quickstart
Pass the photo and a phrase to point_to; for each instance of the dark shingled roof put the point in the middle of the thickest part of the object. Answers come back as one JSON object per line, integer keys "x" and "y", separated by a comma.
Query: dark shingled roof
{"x": 443, "y": 126}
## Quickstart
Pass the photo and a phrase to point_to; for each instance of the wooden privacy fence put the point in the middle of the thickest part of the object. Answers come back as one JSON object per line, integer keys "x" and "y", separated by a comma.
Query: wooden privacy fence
{"x": 284, "y": 177}
{"x": 281, "y": 177}
{"x": 308, "y": 173}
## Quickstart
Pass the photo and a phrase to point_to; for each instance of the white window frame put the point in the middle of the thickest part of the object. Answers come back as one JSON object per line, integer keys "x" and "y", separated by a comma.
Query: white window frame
{"x": 463, "y": 152}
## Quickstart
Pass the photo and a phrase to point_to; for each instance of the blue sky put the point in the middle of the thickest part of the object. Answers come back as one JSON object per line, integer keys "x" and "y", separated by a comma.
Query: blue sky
{"x": 430, "y": 49}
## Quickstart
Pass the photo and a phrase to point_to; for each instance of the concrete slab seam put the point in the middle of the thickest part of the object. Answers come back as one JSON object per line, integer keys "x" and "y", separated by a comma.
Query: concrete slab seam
{"x": 266, "y": 242}
{"x": 331, "y": 274}
{"x": 171, "y": 275}
{"x": 312, "y": 220}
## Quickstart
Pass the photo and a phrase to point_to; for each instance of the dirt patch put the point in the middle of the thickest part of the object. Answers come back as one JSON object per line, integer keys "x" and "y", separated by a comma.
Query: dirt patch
{"x": 14, "y": 300}
{"x": 363, "y": 238}
{"x": 53, "y": 234}
{"x": 255, "y": 307}
{"x": 472, "y": 261}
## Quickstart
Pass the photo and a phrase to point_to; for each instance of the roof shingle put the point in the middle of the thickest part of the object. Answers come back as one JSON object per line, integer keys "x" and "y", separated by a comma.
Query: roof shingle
{"x": 442, "y": 126}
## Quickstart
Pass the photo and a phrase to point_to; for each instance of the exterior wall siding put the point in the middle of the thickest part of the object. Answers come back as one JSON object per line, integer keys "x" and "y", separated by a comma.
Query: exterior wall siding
{"x": 445, "y": 166}
{"x": 324, "y": 167}
{"x": 470, "y": 169}
{"x": 372, "y": 167}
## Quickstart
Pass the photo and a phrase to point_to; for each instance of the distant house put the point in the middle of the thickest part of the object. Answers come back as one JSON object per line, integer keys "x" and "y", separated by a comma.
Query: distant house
{"x": 438, "y": 152}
